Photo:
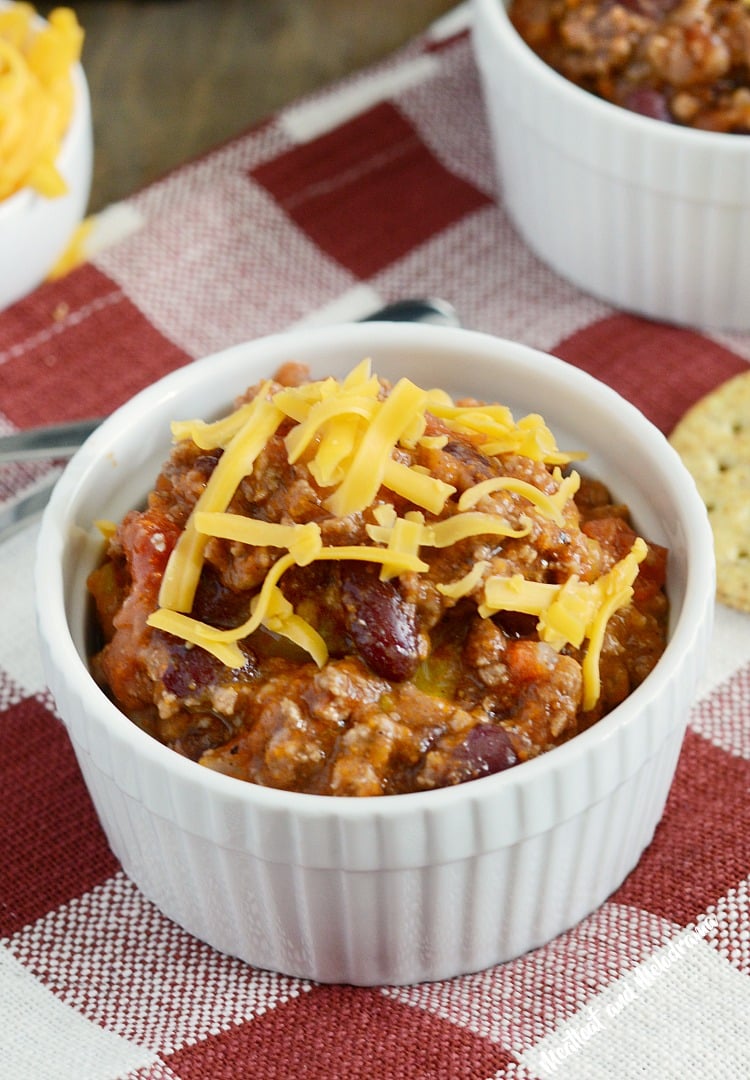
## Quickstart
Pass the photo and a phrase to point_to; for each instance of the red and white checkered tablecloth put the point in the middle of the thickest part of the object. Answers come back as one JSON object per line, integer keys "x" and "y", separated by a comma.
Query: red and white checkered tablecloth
{"x": 379, "y": 187}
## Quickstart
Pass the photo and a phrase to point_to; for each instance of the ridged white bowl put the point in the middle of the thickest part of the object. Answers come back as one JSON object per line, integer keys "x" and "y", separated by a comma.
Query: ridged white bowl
{"x": 651, "y": 217}
{"x": 35, "y": 230}
{"x": 409, "y": 887}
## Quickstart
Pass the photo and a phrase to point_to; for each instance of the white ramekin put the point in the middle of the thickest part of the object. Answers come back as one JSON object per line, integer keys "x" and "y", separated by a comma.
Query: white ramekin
{"x": 35, "y": 230}
{"x": 648, "y": 216}
{"x": 409, "y": 887}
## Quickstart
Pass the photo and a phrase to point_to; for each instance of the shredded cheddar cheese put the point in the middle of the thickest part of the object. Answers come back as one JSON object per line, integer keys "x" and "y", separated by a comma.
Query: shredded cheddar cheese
{"x": 500, "y": 434}
{"x": 106, "y": 527}
{"x": 216, "y": 435}
{"x": 420, "y": 488}
{"x": 550, "y": 505}
{"x": 193, "y": 631}
{"x": 571, "y": 612}
{"x": 281, "y": 619}
{"x": 365, "y": 474}
{"x": 466, "y": 584}
{"x": 405, "y": 536}
{"x": 323, "y": 411}
{"x": 354, "y": 439}
{"x": 302, "y": 541}
{"x": 186, "y": 561}
{"x": 36, "y": 96}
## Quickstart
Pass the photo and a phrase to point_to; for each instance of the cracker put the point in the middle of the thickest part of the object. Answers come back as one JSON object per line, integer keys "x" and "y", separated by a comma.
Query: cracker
{"x": 713, "y": 440}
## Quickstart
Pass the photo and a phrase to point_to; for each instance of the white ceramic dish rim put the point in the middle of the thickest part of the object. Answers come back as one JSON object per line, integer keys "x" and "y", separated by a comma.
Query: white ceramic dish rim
{"x": 495, "y": 11}
{"x": 22, "y": 201}
{"x": 59, "y": 520}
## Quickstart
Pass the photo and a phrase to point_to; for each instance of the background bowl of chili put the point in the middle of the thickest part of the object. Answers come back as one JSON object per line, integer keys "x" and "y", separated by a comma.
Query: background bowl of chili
{"x": 403, "y": 888}
{"x": 642, "y": 213}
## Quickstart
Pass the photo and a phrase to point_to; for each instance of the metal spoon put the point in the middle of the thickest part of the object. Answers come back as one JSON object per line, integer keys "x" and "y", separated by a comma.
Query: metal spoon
{"x": 58, "y": 441}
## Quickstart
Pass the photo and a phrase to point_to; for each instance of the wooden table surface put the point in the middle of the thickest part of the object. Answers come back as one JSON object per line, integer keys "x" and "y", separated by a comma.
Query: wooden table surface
{"x": 172, "y": 78}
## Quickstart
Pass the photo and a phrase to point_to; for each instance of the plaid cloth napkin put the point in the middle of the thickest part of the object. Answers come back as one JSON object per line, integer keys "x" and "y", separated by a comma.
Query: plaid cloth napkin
{"x": 379, "y": 187}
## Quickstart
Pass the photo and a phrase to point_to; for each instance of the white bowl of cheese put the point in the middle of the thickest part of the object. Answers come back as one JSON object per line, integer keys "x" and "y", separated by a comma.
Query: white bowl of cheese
{"x": 42, "y": 205}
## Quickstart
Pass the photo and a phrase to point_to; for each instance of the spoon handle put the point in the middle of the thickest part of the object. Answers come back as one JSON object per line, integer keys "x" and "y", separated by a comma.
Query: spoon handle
{"x": 49, "y": 441}
{"x": 432, "y": 310}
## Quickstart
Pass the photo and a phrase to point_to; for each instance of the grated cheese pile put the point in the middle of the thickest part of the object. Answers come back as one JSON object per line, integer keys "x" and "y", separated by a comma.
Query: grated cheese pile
{"x": 36, "y": 96}
{"x": 345, "y": 433}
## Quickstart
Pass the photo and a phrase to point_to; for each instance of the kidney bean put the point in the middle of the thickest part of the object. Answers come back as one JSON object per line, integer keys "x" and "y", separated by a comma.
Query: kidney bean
{"x": 648, "y": 102}
{"x": 216, "y": 604}
{"x": 381, "y": 624}
{"x": 487, "y": 749}
{"x": 192, "y": 671}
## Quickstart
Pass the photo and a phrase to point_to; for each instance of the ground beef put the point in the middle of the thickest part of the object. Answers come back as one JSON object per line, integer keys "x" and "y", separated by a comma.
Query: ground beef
{"x": 419, "y": 691}
{"x": 684, "y": 61}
